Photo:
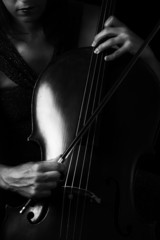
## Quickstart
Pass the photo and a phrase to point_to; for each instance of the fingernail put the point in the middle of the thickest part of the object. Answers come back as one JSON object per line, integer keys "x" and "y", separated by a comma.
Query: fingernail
{"x": 105, "y": 58}
{"x": 108, "y": 21}
{"x": 93, "y": 44}
{"x": 96, "y": 51}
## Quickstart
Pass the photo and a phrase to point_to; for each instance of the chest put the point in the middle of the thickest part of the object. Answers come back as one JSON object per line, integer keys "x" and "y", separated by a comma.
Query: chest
{"x": 37, "y": 53}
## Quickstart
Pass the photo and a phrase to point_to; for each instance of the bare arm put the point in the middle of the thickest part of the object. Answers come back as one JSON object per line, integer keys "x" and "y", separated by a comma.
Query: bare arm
{"x": 31, "y": 179}
{"x": 119, "y": 37}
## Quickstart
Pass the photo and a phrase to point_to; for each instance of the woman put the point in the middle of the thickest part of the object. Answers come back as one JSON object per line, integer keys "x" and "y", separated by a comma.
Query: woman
{"x": 24, "y": 30}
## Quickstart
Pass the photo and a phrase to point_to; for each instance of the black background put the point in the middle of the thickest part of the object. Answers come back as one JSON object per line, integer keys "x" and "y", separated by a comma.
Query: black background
{"x": 139, "y": 15}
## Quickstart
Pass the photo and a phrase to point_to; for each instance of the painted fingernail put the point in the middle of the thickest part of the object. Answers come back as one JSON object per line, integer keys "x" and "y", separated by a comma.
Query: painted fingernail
{"x": 96, "y": 51}
{"x": 93, "y": 44}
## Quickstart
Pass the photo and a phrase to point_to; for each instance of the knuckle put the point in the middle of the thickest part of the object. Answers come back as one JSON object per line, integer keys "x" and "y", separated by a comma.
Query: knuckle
{"x": 35, "y": 167}
{"x": 57, "y": 175}
{"x": 123, "y": 29}
{"x": 95, "y": 39}
{"x": 125, "y": 38}
{"x": 61, "y": 167}
{"x": 54, "y": 185}
{"x": 111, "y": 42}
{"x": 34, "y": 192}
{"x": 112, "y": 19}
{"x": 129, "y": 44}
{"x": 41, "y": 178}
{"x": 109, "y": 20}
{"x": 123, "y": 35}
{"x": 105, "y": 31}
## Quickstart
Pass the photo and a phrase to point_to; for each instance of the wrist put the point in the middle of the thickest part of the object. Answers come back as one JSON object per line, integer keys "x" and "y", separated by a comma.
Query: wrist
{"x": 148, "y": 55}
{"x": 150, "y": 59}
{"x": 3, "y": 173}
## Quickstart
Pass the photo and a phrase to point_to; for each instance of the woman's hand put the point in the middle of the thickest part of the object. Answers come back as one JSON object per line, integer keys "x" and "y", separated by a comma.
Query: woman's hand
{"x": 118, "y": 37}
{"x": 32, "y": 180}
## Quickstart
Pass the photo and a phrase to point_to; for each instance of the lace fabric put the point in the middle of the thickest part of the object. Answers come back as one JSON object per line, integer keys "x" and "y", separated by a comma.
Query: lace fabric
{"x": 15, "y": 106}
{"x": 13, "y": 65}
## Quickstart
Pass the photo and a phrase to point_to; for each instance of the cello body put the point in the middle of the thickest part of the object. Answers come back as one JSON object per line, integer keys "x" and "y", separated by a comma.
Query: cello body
{"x": 123, "y": 132}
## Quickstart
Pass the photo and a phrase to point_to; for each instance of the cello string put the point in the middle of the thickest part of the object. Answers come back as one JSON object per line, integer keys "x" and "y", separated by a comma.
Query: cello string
{"x": 89, "y": 133}
{"x": 92, "y": 74}
{"x": 71, "y": 159}
{"x": 107, "y": 97}
{"x": 98, "y": 79}
{"x": 155, "y": 30}
{"x": 81, "y": 116}
{"x": 77, "y": 202}
{"x": 90, "y": 162}
{"x": 69, "y": 167}
{"x": 104, "y": 7}
{"x": 109, "y": 94}
{"x": 99, "y": 82}
{"x": 72, "y": 155}
{"x": 85, "y": 92}
{"x": 104, "y": 14}
{"x": 82, "y": 106}
{"x": 93, "y": 57}
{"x": 93, "y": 61}
{"x": 64, "y": 195}
{"x": 89, "y": 169}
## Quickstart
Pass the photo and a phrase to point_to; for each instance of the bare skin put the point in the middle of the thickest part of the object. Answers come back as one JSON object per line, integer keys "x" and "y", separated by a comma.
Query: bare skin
{"x": 31, "y": 42}
{"x": 123, "y": 40}
{"x": 40, "y": 178}
{"x": 32, "y": 179}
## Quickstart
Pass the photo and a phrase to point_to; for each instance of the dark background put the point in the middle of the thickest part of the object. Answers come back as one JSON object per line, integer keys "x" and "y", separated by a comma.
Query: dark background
{"x": 139, "y": 15}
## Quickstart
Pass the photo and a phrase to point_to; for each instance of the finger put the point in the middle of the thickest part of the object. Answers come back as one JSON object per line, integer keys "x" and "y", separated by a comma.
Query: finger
{"x": 51, "y": 165}
{"x": 123, "y": 49}
{"x": 44, "y": 194}
{"x": 46, "y": 186}
{"x": 50, "y": 176}
{"x": 113, "y": 21}
{"x": 41, "y": 194}
{"x": 41, "y": 189}
{"x": 110, "y": 43}
{"x": 106, "y": 33}
{"x": 109, "y": 21}
{"x": 33, "y": 192}
{"x": 60, "y": 163}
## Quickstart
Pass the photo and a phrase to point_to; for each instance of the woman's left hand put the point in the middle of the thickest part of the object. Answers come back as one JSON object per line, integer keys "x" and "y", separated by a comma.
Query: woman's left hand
{"x": 118, "y": 37}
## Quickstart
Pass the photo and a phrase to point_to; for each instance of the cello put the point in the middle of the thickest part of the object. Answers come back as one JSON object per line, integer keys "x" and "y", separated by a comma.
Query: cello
{"x": 96, "y": 198}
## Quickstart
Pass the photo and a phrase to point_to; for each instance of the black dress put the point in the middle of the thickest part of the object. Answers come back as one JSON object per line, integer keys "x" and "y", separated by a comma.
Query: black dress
{"x": 15, "y": 107}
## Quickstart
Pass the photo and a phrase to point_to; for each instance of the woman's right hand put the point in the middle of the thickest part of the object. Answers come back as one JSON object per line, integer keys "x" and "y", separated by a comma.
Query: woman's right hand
{"x": 32, "y": 180}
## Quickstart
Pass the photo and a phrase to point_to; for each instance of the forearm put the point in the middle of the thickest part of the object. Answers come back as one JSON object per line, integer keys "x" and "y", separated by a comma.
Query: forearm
{"x": 32, "y": 179}
{"x": 155, "y": 65}
{"x": 149, "y": 57}
{"x": 3, "y": 183}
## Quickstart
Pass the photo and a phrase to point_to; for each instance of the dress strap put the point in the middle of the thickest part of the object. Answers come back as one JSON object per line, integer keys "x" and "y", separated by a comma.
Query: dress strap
{"x": 13, "y": 65}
